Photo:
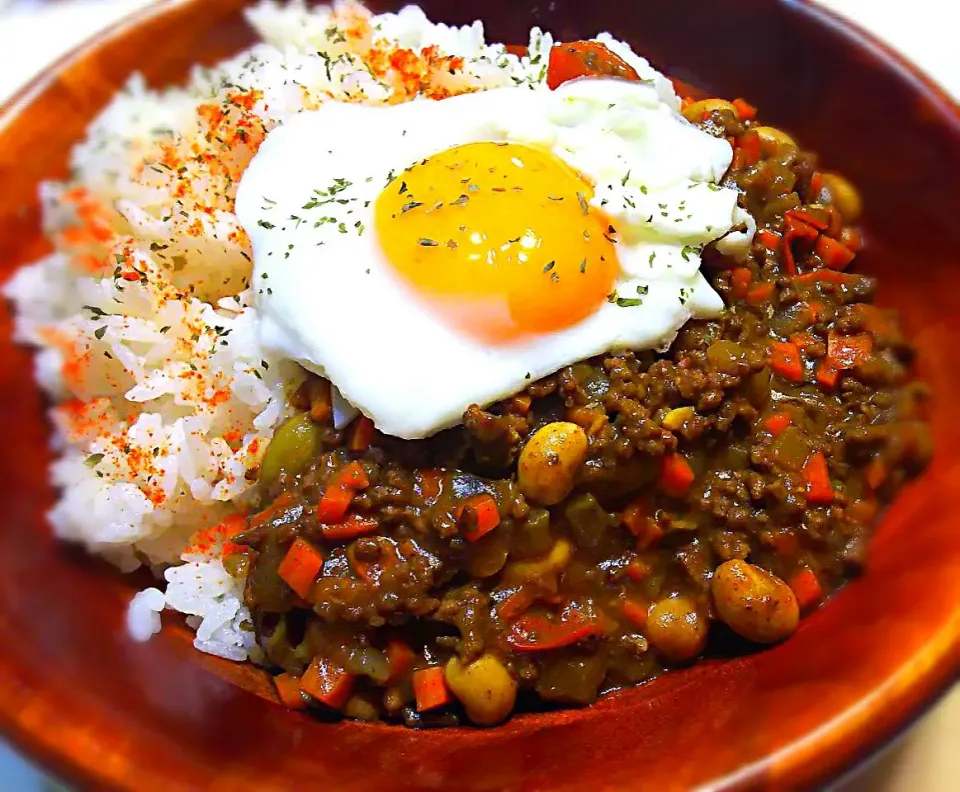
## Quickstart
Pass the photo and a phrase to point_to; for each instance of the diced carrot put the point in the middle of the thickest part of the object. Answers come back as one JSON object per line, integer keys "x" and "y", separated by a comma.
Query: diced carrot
{"x": 429, "y": 480}
{"x": 585, "y": 59}
{"x": 740, "y": 279}
{"x": 875, "y": 473}
{"x": 777, "y": 423}
{"x": 833, "y": 254}
{"x": 804, "y": 340}
{"x": 802, "y": 225}
{"x": 487, "y": 514}
{"x": 759, "y": 293}
{"x": 520, "y": 404}
{"x": 796, "y": 229}
{"x": 676, "y": 475}
{"x": 638, "y": 570}
{"x": 817, "y": 476}
{"x": 769, "y": 239}
{"x": 300, "y": 566}
{"x": 637, "y": 519}
{"x": 516, "y": 604}
{"x": 349, "y": 528}
{"x": 785, "y": 542}
{"x": 827, "y": 276}
{"x": 852, "y": 239}
{"x": 807, "y": 588}
{"x": 334, "y": 504}
{"x": 736, "y": 161}
{"x": 327, "y": 683}
{"x": 634, "y": 611}
{"x": 827, "y": 374}
{"x": 360, "y": 435}
{"x": 400, "y": 657}
{"x": 430, "y": 688}
{"x": 746, "y": 110}
{"x": 352, "y": 477}
{"x": 834, "y": 222}
{"x": 288, "y": 689}
{"x": 849, "y": 351}
{"x": 634, "y": 515}
{"x": 321, "y": 400}
{"x": 283, "y": 501}
{"x": 651, "y": 536}
{"x": 816, "y": 183}
{"x": 538, "y": 633}
{"x": 785, "y": 360}
{"x": 748, "y": 150}
{"x": 816, "y": 310}
{"x": 808, "y": 217}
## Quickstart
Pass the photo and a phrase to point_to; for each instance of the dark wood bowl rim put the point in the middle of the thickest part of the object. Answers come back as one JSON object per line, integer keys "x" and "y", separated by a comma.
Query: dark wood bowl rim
{"x": 928, "y": 677}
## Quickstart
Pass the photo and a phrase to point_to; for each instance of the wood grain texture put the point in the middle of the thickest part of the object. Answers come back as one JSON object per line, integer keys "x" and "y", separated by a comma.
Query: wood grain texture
{"x": 107, "y": 713}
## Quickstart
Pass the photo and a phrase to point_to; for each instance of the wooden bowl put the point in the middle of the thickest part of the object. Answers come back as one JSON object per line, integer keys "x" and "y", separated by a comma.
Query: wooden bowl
{"x": 104, "y": 712}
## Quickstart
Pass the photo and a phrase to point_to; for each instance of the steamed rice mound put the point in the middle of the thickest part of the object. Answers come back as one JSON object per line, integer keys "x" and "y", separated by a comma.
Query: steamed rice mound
{"x": 143, "y": 315}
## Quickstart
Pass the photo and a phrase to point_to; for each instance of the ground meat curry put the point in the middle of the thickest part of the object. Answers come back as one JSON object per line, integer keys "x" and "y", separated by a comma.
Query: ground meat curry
{"x": 622, "y": 517}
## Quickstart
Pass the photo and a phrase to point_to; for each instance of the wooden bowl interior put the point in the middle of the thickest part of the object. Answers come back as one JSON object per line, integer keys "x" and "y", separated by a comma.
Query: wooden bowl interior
{"x": 101, "y": 710}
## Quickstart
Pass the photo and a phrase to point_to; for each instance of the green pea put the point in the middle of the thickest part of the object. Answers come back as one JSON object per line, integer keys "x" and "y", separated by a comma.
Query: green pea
{"x": 294, "y": 445}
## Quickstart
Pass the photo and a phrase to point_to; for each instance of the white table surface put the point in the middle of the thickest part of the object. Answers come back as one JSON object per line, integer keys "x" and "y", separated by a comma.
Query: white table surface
{"x": 927, "y": 759}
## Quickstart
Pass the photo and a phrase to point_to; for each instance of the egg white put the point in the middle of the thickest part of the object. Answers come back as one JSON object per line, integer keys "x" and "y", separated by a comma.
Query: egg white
{"x": 328, "y": 298}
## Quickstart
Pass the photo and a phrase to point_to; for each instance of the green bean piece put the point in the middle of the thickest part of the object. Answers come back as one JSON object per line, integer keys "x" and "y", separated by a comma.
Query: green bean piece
{"x": 293, "y": 447}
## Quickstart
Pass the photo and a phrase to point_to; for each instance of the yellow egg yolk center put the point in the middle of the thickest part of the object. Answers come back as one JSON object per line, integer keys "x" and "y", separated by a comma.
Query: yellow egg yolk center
{"x": 500, "y": 239}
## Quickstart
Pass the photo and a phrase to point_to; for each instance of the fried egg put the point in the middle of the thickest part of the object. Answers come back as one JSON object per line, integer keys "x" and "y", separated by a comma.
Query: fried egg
{"x": 432, "y": 255}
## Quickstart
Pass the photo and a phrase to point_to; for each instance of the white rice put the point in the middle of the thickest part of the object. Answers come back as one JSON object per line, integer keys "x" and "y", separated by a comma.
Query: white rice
{"x": 143, "y": 315}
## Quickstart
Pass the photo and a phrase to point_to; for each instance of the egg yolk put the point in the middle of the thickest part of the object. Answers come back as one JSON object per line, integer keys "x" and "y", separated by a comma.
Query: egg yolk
{"x": 500, "y": 239}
